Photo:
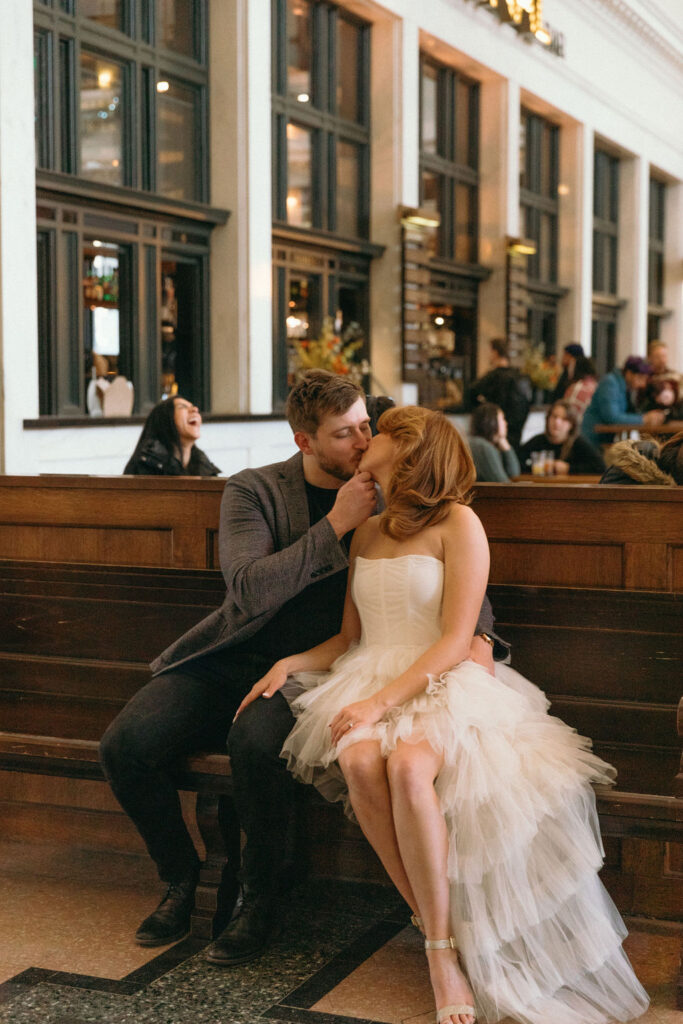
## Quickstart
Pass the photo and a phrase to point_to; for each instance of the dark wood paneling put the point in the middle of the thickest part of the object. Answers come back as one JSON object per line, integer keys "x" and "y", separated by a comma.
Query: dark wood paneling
{"x": 574, "y": 565}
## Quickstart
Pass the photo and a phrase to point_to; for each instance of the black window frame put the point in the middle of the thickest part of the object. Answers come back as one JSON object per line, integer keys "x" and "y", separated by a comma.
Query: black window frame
{"x": 144, "y": 64}
{"x": 656, "y": 310}
{"x": 449, "y": 171}
{"x": 320, "y": 117}
{"x": 605, "y": 222}
{"x": 540, "y": 204}
{"x": 151, "y": 225}
{"x": 64, "y": 227}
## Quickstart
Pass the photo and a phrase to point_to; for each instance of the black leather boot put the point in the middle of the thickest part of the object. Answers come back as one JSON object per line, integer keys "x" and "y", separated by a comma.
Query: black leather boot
{"x": 171, "y": 919}
{"x": 253, "y": 925}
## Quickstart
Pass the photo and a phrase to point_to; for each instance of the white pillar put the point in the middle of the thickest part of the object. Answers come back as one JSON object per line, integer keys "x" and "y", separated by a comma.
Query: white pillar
{"x": 575, "y": 234}
{"x": 672, "y": 327}
{"x": 634, "y": 184}
{"x": 18, "y": 276}
{"x": 499, "y": 127}
{"x": 241, "y": 252}
{"x": 394, "y": 157}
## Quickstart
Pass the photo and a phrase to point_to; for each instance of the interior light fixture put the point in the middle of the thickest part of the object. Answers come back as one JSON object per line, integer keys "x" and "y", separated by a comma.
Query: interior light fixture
{"x": 521, "y": 246}
{"x": 163, "y": 86}
{"x": 419, "y": 217}
{"x": 303, "y": 97}
{"x": 104, "y": 79}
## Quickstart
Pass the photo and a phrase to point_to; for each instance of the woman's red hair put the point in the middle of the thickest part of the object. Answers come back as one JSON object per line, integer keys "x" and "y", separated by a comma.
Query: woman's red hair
{"x": 433, "y": 470}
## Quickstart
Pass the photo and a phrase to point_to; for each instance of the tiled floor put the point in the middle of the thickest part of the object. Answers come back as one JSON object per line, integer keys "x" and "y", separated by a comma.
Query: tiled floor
{"x": 346, "y": 955}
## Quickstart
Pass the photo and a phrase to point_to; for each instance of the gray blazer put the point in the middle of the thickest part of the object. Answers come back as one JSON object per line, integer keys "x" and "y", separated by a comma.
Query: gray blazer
{"x": 268, "y": 554}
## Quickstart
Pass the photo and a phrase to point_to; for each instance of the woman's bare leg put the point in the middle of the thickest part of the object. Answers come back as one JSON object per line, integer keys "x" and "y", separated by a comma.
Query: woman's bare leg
{"x": 365, "y": 771}
{"x": 422, "y": 839}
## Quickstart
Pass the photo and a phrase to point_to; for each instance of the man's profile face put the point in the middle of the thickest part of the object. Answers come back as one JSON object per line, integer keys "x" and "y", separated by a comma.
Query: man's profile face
{"x": 340, "y": 441}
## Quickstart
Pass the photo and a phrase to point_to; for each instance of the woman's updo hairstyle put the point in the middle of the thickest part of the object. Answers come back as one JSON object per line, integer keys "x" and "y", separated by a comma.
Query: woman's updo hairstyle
{"x": 433, "y": 469}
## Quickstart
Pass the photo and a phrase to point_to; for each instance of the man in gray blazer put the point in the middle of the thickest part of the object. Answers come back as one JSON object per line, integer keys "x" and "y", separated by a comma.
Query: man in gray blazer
{"x": 284, "y": 536}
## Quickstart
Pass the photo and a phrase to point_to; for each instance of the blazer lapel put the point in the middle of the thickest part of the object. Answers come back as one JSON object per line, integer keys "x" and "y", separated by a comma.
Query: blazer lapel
{"x": 293, "y": 490}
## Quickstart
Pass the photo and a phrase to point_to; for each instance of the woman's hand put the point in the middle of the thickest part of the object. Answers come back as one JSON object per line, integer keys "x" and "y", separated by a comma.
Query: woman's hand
{"x": 270, "y": 683}
{"x": 363, "y": 712}
{"x": 560, "y": 467}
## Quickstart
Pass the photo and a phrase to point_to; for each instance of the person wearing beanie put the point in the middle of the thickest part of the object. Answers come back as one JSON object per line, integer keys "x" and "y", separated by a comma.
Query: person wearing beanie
{"x": 614, "y": 402}
{"x": 570, "y": 354}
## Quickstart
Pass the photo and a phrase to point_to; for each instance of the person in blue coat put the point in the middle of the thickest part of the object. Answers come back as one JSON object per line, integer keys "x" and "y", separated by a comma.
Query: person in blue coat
{"x": 613, "y": 402}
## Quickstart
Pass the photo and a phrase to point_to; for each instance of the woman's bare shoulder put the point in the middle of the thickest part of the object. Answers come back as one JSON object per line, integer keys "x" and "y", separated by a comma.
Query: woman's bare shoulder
{"x": 462, "y": 524}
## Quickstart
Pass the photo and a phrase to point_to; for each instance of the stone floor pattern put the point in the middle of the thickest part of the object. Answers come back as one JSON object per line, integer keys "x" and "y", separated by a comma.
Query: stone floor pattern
{"x": 345, "y": 956}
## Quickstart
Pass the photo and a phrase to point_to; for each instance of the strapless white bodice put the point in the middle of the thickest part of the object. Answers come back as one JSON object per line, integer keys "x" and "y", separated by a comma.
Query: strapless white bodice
{"x": 399, "y": 600}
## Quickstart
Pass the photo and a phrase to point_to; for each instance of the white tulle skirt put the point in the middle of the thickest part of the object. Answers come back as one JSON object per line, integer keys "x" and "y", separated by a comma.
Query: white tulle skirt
{"x": 540, "y": 937}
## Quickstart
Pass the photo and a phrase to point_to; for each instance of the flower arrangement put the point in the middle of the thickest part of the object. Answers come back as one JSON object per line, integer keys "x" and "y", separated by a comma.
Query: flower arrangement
{"x": 334, "y": 352}
{"x": 543, "y": 371}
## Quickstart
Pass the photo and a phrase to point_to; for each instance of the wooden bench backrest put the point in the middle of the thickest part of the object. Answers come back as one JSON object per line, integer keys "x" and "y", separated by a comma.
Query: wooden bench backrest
{"x": 584, "y": 583}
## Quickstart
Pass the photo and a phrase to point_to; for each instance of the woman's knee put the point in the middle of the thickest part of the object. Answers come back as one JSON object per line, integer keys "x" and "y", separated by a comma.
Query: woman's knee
{"x": 411, "y": 772}
{"x": 363, "y": 765}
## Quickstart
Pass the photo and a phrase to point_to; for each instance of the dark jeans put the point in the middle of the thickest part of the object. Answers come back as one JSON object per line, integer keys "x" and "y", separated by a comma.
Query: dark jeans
{"x": 192, "y": 709}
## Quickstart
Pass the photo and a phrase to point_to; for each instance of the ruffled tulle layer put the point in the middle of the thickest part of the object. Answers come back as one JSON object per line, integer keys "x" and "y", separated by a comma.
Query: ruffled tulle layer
{"x": 538, "y": 933}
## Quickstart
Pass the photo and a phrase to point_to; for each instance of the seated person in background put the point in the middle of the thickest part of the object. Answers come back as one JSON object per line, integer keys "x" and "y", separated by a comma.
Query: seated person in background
{"x": 572, "y": 453}
{"x": 658, "y": 357}
{"x": 663, "y": 392}
{"x": 505, "y": 386}
{"x": 582, "y": 387}
{"x": 646, "y": 462}
{"x": 167, "y": 443}
{"x": 570, "y": 354}
{"x": 614, "y": 402}
{"x": 494, "y": 458}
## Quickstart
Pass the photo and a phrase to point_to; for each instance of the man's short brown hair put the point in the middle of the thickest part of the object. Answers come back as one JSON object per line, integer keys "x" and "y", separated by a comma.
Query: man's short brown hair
{"x": 318, "y": 394}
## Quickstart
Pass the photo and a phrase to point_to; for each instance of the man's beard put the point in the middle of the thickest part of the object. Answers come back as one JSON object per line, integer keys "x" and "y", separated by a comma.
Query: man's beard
{"x": 337, "y": 469}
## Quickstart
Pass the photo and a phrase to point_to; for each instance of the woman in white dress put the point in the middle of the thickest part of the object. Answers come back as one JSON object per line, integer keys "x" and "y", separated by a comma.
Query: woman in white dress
{"x": 478, "y": 803}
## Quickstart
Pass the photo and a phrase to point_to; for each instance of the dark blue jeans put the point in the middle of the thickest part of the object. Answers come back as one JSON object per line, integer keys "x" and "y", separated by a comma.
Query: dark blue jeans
{"x": 180, "y": 713}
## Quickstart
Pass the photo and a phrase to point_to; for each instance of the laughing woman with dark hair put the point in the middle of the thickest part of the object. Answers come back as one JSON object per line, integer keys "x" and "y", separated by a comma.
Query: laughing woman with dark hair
{"x": 167, "y": 443}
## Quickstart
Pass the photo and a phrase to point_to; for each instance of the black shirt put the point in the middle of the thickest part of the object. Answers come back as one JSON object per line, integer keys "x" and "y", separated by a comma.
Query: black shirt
{"x": 315, "y": 613}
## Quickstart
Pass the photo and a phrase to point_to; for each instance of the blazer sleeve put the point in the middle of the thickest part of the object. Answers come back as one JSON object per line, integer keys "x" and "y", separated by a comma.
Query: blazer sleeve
{"x": 260, "y": 575}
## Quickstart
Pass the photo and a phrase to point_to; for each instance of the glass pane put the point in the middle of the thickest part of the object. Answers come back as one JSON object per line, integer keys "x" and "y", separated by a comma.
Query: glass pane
{"x": 547, "y": 161}
{"x": 180, "y": 292}
{"x": 101, "y": 119}
{"x": 106, "y": 12}
{"x": 463, "y": 124}
{"x": 299, "y": 175}
{"x": 348, "y": 45}
{"x": 464, "y": 226}
{"x": 101, "y": 324}
{"x": 299, "y": 50}
{"x": 546, "y": 248}
{"x": 429, "y": 109}
{"x": 176, "y": 25}
{"x": 303, "y": 321}
{"x": 523, "y": 133}
{"x": 348, "y": 180}
{"x": 177, "y": 140}
{"x": 40, "y": 110}
{"x": 430, "y": 199}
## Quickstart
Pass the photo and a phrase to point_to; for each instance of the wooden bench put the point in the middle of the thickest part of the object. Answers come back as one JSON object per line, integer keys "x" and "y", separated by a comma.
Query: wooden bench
{"x": 581, "y": 577}
{"x": 76, "y": 641}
